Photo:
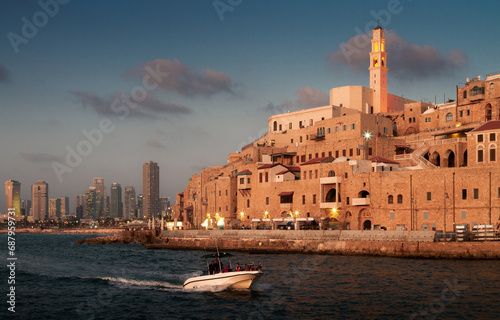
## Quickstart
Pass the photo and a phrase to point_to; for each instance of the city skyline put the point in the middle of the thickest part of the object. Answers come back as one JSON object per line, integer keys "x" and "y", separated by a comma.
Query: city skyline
{"x": 229, "y": 68}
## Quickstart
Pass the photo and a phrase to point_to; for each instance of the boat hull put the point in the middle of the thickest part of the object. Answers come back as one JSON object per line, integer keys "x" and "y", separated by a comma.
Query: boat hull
{"x": 222, "y": 281}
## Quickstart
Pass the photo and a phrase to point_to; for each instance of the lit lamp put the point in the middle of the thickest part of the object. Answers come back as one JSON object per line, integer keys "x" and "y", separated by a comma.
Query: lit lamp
{"x": 266, "y": 215}
{"x": 367, "y": 135}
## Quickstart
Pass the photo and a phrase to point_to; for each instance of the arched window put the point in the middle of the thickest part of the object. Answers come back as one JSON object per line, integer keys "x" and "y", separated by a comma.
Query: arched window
{"x": 465, "y": 94}
{"x": 400, "y": 198}
{"x": 375, "y": 62}
{"x": 492, "y": 86}
{"x": 480, "y": 154}
{"x": 477, "y": 90}
{"x": 409, "y": 119}
{"x": 383, "y": 62}
{"x": 331, "y": 173}
{"x": 449, "y": 117}
{"x": 493, "y": 152}
{"x": 275, "y": 126}
{"x": 390, "y": 199}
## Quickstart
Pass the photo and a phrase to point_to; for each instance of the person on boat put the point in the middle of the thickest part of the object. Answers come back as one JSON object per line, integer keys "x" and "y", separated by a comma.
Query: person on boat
{"x": 238, "y": 267}
{"x": 218, "y": 266}
{"x": 246, "y": 267}
{"x": 211, "y": 268}
{"x": 227, "y": 269}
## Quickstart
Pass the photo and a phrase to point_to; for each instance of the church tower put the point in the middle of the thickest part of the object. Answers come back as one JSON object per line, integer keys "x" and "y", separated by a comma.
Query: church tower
{"x": 378, "y": 71}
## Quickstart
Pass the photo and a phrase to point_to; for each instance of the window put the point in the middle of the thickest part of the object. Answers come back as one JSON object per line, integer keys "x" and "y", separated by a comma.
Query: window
{"x": 476, "y": 194}
{"x": 305, "y": 175}
{"x": 315, "y": 174}
{"x": 336, "y": 128}
{"x": 275, "y": 126}
{"x": 449, "y": 117}
{"x": 347, "y": 200}
{"x": 260, "y": 177}
{"x": 464, "y": 194}
{"x": 461, "y": 113}
{"x": 464, "y": 215}
{"x": 329, "y": 130}
{"x": 242, "y": 180}
{"x": 468, "y": 112}
{"x": 493, "y": 137}
{"x": 345, "y": 175}
{"x": 344, "y": 152}
{"x": 267, "y": 176}
{"x": 314, "y": 199}
{"x": 300, "y": 139}
{"x": 316, "y": 155}
{"x": 476, "y": 90}
{"x": 493, "y": 154}
{"x": 353, "y": 126}
{"x": 393, "y": 215}
{"x": 400, "y": 198}
{"x": 310, "y": 174}
{"x": 322, "y": 154}
{"x": 426, "y": 215}
{"x": 290, "y": 126}
{"x": 303, "y": 199}
{"x": 303, "y": 158}
{"x": 492, "y": 86}
{"x": 311, "y": 122}
{"x": 498, "y": 196}
{"x": 344, "y": 127}
{"x": 336, "y": 153}
{"x": 310, "y": 156}
{"x": 385, "y": 130}
{"x": 248, "y": 181}
{"x": 248, "y": 203}
{"x": 370, "y": 151}
{"x": 480, "y": 138}
{"x": 429, "y": 196}
{"x": 331, "y": 173}
{"x": 480, "y": 155}
{"x": 329, "y": 153}
{"x": 220, "y": 194}
{"x": 267, "y": 200}
{"x": 280, "y": 127}
{"x": 351, "y": 152}
{"x": 291, "y": 140}
{"x": 465, "y": 94}
{"x": 390, "y": 199}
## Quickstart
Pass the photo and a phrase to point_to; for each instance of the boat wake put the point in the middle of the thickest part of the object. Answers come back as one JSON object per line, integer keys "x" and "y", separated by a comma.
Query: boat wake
{"x": 142, "y": 284}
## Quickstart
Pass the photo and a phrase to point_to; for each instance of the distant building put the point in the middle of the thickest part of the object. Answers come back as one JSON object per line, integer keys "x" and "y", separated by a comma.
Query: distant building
{"x": 129, "y": 203}
{"x": 54, "y": 208}
{"x": 165, "y": 208}
{"x": 100, "y": 197}
{"x": 26, "y": 207}
{"x": 140, "y": 204}
{"x": 13, "y": 196}
{"x": 115, "y": 210}
{"x": 40, "y": 200}
{"x": 65, "y": 206}
{"x": 79, "y": 205}
{"x": 91, "y": 204}
{"x": 151, "y": 189}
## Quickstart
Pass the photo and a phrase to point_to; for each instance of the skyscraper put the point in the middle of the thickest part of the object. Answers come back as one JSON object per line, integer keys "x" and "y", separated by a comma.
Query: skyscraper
{"x": 129, "y": 211}
{"x": 90, "y": 203}
{"x": 151, "y": 189}
{"x": 25, "y": 207}
{"x": 40, "y": 200}
{"x": 54, "y": 208}
{"x": 115, "y": 210}
{"x": 100, "y": 197}
{"x": 64, "y": 206}
{"x": 79, "y": 205}
{"x": 13, "y": 196}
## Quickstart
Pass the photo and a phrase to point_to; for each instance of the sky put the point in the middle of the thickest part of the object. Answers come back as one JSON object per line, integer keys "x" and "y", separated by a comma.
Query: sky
{"x": 97, "y": 88}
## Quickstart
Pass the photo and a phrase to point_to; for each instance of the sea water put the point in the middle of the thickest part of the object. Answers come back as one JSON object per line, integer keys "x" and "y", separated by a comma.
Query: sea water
{"x": 58, "y": 279}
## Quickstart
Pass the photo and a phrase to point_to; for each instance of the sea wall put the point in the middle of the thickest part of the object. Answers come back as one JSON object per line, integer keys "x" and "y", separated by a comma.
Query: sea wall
{"x": 69, "y": 231}
{"x": 410, "y": 244}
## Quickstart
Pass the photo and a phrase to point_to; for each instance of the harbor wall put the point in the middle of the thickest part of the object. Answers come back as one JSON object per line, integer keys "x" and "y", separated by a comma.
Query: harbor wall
{"x": 408, "y": 244}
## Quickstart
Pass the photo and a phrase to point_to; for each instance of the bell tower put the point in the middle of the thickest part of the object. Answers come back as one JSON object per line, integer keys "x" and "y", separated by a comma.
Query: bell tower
{"x": 378, "y": 71}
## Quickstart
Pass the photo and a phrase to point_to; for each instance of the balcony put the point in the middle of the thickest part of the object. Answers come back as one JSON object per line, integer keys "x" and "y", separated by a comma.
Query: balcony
{"x": 330, "y": 180}
{"x": 361, "y": 201}
{"x": 317, "y": 137}
{"x": 329, "y": 205}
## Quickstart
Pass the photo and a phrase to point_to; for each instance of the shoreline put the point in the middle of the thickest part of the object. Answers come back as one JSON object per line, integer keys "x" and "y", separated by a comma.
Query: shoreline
{"x": 65, "y": 231}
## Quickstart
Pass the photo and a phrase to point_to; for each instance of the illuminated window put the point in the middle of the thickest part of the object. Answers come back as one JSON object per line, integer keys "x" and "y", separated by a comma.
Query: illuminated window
{"x": 375, "y": 47}
{"x": 382, "y": 47}
{"x": 375, "y": 62}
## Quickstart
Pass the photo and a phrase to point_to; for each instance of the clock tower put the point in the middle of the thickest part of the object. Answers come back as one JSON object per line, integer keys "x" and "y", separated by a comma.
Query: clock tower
{"x": 378, "y": 71}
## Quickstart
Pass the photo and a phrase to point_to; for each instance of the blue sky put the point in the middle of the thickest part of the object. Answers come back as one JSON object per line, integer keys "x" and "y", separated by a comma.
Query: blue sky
{"x": 222, "y": 68}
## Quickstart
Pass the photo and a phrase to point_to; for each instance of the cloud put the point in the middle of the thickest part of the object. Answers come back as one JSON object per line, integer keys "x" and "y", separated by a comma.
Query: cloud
{"x": 39, "y": 157}
{"x": 405, "y": 60}
{"x": 155, "y": 143}
{"x": 4, "y": 73}
{"x": 125, "y": 106}
{"x": 173, "y": 76}
{"x": 309, "y": 97}
{"x": 306, "y": 97}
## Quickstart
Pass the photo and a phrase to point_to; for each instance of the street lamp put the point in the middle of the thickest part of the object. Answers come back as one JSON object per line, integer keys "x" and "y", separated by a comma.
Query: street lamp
{"x": 367, "y": 135}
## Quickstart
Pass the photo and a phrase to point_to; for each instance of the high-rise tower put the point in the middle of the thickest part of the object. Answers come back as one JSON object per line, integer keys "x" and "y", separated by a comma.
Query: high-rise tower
{"x": 40, "y": 200}
{"x": 151, "y": 189}
{"x": 378, "y": 71}
{"x": 100, "y": 197}
{"x": 13, "y": 196}
{"x": 115, "y": 210}
{"x": 129, "y": 203}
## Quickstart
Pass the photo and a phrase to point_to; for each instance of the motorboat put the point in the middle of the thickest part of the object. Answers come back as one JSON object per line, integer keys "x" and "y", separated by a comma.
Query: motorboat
{"x": 225, "y": 279}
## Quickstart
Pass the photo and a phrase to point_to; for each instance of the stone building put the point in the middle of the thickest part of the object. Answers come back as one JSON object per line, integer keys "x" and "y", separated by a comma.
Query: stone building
{"x": 362, "y": 165}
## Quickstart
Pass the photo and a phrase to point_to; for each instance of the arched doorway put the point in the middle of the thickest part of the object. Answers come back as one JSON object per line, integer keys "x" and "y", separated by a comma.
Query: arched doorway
{"x": 465, "y": 159}
{"x": 451, "y": 158}
{"x": 275, "y": 126}
{"x": 367, "y": 225}
{"x": 487, "y": 112}
{"x": 436, "y": 159}
{"x": 426, "y": 156}
{"x": 331, "y": 196}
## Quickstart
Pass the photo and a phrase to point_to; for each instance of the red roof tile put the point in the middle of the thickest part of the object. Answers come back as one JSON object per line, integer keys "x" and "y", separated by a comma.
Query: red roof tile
{"x": 380, "y": 159}
{"x": 490, "y": 125}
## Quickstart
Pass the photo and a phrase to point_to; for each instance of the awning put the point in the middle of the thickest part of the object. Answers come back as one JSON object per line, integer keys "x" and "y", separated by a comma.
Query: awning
{"x": 288, "y": 219}
{"x": 301, "y": 219}
{"x": 310, "y": 219}
{"x": 266, "y": 220}
{"x": 286, "y": 193}
{"x": 255, "y": 220}
{"x": 277, "y": 219}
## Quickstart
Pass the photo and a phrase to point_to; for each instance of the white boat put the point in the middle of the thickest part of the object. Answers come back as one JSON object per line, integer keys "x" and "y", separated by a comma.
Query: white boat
{"x": 223, "y": 280}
